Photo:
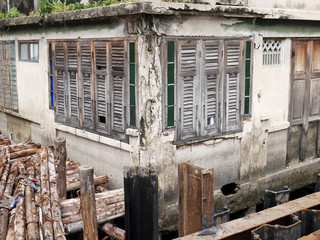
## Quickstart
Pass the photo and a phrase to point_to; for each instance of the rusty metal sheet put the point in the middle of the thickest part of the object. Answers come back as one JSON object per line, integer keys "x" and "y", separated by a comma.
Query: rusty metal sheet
{"x": 240, "y": 228}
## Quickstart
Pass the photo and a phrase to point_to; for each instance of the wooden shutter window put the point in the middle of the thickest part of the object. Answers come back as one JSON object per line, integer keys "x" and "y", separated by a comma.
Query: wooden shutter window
{"x": 59, "y": 57}
{"x": 73, "y": 92}
{"x": 59, "y": 72}
{"x": 188, "y": 64}
{"x": 211, "y": 79}
{"x": 299, "y": 79}
{"x": 87, "y": 84}
{"x": 72, "y": 57}
{"x": 101, "y": 86}
{"x": 233, "y": 61}
{"x": 72, "y": 60}
{"x": 314, "y": 108}
{"x": 61, "y": 104}
{"x": 101, "y": 55}
{"x": 117, "y": 78}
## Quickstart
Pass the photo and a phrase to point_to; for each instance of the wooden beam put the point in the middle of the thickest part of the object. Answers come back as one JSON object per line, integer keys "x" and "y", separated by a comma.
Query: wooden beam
{"x": 23, "y": 153}
{"x": 58, "y": 229}
{"x": 88, "y": 203}
{"x": 4, "y": 213}
{"x": 61, "y": 154}
{"x": 96, "y": 181}
{"x": 113, "y": 231}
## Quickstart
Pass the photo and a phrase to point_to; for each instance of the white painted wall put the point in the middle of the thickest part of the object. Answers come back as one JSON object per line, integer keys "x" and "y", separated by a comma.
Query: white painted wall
{"x": 287, "y": 4}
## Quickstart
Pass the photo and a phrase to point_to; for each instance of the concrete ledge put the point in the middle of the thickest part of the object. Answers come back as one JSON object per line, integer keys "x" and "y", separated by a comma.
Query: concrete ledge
{"x": 132, "y": 132}
{"x": 279, "y": 127}
{"x": 94, "y": 137}
{"x": 162, "y": 8}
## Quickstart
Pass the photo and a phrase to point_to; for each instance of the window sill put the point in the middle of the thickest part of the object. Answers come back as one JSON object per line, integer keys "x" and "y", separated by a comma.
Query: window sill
{"x": 28, "y": 61}
{"x": 93, "y": 137}
{"x": 279, "y": 127}
{"x": 207, "y": 141}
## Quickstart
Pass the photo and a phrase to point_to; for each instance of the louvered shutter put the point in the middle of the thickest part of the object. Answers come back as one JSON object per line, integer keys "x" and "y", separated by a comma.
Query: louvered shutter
{"x": 59, "y": 59}
{"x": 87, "y": 84}
{"x": 2, "y": 72}
{"x": 233, "y": 64}
{"x": 119, "y": 85}
{"x": 73, "y": 83}
{"x": 101, "y": 86}
{"x": 7, "y": 90}
{"x": 299, "y": 80}
{"x": 188, "y": 91}
{"x": 211, "y": 71}
{"x": 314, "y": 108}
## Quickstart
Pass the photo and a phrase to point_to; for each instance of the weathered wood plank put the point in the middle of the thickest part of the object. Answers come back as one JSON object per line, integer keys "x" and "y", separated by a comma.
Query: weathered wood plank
{"x": 243, "y": 226}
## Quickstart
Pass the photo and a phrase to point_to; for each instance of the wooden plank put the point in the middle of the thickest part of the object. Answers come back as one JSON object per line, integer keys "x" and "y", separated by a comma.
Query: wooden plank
{"x": 61, "y": 154}
{"x": 195, "y": 198}
{"x": 233, "y": 229}
{"x": 88, "y": 203}
{"x": 207, "y": 182}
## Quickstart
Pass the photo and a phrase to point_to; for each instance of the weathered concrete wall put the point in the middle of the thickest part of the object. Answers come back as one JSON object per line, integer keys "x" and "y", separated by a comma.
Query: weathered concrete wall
{"x": 287, "y": 4}
{"x": 276, "y": 152}
{"x": 3, "y": 123}
{"x": 20, "y": 128}
{"x": 105, "y": 159}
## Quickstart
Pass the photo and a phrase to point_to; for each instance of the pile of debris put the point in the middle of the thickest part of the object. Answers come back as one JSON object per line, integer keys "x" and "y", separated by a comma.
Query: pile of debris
{"x": 31, "y": 206}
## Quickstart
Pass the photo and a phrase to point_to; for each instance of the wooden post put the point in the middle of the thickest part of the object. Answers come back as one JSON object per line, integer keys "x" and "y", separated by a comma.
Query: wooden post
{"x": 141, "y": 203}
{"x": 61, "y": 153}
{"x": 88, "y": 203}
{"x": 196, "y": 189}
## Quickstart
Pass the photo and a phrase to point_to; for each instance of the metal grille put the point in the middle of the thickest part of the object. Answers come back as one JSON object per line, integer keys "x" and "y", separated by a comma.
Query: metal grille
{"x": 8, "y": 90}
{"x": 272, "y": 53}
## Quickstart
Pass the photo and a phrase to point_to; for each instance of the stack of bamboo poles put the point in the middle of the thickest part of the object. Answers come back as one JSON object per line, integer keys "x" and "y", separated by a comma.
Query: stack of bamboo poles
{"x": 36, "y": 215}
{"x": 42, "y": 214}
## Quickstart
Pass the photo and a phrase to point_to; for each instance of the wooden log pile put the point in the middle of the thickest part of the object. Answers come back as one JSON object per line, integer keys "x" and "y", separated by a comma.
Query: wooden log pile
{"x": 43, "y": 214}
{"x": 109, "y": 205}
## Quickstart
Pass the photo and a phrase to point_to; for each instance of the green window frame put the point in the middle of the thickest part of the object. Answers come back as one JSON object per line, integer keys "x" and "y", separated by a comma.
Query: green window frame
{"x": 247, "y": 85}
{"x": 132, "y": 82}
{"x": 170, "y": 101}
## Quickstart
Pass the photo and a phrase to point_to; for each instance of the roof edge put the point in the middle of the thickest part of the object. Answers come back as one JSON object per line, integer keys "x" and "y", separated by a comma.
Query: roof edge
{"x": 162, "y": 8}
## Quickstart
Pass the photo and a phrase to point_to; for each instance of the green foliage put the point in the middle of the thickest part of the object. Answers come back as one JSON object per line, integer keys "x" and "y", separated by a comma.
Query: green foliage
{"x": 93, "y": 4}
{"x": 54, "y": 6}
{"x": 59, "y": 6}
{"x": 33, "y": 13}
{"x": 14, "y": 12}
{"x": 75, "y": 6}
{"x": 45, "y": 7}
{"x": 110, "y": 2}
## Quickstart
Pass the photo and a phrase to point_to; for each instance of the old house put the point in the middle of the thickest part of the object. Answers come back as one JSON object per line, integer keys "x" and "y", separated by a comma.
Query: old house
{"x": 229, "y": 85}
